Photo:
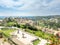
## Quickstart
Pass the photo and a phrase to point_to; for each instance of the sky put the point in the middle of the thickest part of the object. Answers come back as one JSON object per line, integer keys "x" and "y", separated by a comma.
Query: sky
{"x": 29, "y": 7}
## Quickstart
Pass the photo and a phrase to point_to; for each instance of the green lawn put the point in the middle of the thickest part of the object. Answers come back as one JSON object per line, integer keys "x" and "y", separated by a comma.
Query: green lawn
{"x": 7, "y": 31}
{"x": 36, "y": 42}
{"x": 47, "y": 44}
{"x": 40, "y": 34}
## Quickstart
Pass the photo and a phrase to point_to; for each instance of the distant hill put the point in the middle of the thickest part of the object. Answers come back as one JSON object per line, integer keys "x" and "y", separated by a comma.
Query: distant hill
{"x": 2, "y": 17}
{"x": 33, "y": 17}
{"x": 41, "y": 17}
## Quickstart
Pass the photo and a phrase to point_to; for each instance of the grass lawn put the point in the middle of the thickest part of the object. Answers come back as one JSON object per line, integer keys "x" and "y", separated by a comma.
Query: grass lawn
{"x": 39, "y": 34}
{"x": 36, "y": 42}
{"x": 47, "y": 44}
{"x": 7, "y": 32}
{"x": 42, "y": 34}
{"x": 11, "y": 23}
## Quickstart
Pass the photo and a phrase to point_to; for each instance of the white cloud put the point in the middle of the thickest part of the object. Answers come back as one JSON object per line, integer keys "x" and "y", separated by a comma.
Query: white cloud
{"x": 28, "y": 4}
{"x": 34, "y": 6}
{"x": 20, "y": 5}
{"x": 9, "y": 3}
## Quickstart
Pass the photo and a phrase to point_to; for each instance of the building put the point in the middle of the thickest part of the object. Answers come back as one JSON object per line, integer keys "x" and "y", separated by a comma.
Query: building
{"x": 58, "y": 35}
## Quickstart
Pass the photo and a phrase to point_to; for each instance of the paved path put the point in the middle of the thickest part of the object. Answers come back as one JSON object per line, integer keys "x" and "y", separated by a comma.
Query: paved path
{"x": 43, "y": 42}
{"x": 27, "y": 37}
{"x": 17, "y": 41}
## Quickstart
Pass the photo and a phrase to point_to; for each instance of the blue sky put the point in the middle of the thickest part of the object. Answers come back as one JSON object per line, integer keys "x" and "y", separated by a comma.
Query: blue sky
{"x": 29, "y": 7}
